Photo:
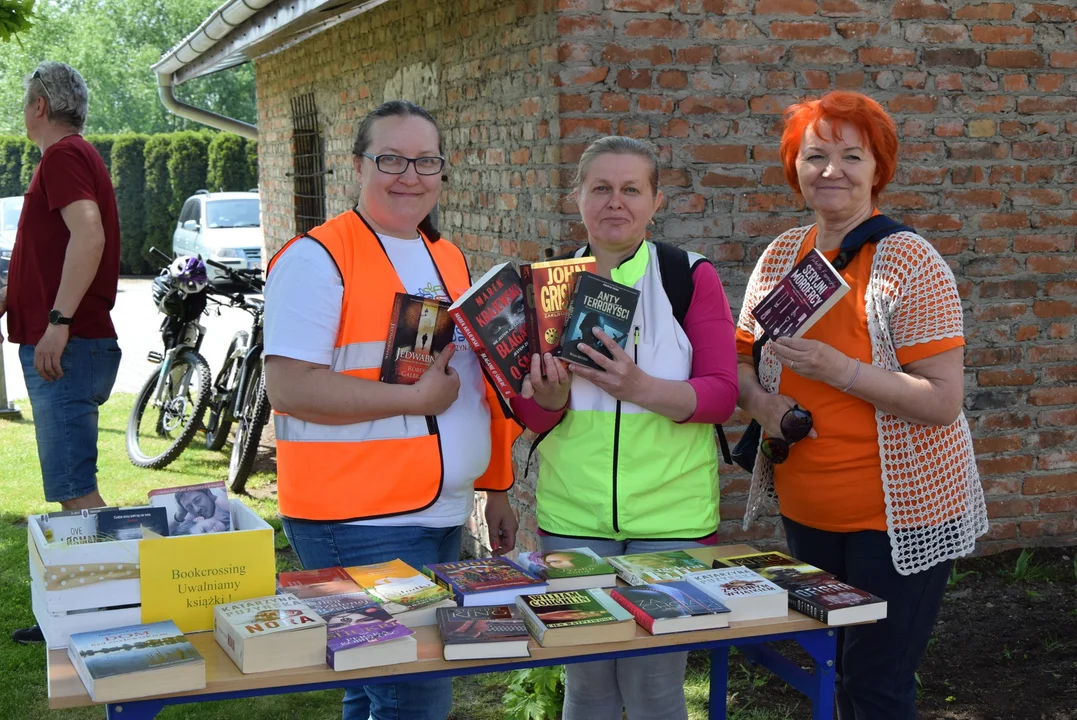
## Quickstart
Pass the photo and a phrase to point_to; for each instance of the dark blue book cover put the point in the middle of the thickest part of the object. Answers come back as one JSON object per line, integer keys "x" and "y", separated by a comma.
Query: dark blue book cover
{"x": 597, "y": 303}
{"x": 127, "y": 523}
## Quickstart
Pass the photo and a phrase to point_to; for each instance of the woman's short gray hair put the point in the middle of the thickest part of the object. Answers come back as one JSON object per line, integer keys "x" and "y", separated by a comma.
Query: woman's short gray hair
{"x": 63, "y": 89}
{"x": 617, "y": 145}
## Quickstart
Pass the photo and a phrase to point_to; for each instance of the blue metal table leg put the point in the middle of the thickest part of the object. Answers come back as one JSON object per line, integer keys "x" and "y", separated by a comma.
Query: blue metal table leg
{"x": 823, "y": 648}
{"x": 719, "y": 683}
{"x": 134, "y": 710}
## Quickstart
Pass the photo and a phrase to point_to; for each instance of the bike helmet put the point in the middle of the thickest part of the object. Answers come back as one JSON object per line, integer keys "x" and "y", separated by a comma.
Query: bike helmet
{"x": 188, "y": 274}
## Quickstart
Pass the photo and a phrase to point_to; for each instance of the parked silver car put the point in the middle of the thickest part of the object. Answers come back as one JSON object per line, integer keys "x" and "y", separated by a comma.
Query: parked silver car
{"x": 225, "y": 227}
{"x": 10, "y": 210}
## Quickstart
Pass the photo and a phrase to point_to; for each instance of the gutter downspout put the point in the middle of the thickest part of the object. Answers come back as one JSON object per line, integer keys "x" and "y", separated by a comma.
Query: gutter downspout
{"x": 201, "y": 115}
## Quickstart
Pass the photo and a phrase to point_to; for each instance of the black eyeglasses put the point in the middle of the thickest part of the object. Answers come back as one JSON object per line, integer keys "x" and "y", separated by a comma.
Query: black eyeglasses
{"x": 37, "y": 76}
{"x": 796, "y": 424}
{"x": 398, "y": 164}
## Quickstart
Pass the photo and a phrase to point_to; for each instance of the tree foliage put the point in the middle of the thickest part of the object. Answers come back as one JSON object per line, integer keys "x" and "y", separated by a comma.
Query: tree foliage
{"x": 113, "y": 43}
{"x": 31, "y": 156}
{"x": 187, "y": 166}
{"x": 128, "y": 180}
{"x": 11, "y": 149}
{"x": 158, "y": 196}
{"x": 228, "y": 166}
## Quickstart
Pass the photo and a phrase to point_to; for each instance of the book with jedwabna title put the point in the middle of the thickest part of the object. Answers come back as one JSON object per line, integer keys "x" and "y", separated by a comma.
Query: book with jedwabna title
{"x": 575, "y": 617}
{"x": 547, "y": 291}
{"x": 597, "y": 303}
{"x": 419, "y": 329}
{"x": 491, "y": 316}
{"x": 799, "y": 299}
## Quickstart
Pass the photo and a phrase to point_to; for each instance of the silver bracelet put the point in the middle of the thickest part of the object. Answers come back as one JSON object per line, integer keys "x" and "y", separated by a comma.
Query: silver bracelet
{"x": 856, "y": 374}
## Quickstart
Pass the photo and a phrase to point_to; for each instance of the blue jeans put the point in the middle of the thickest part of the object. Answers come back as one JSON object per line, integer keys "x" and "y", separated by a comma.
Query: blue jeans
{"x": 321, "y": 545}
{"x": 876, "y": 664}
{"x": 65, "y": 413}
{"x": 649, "y": 687}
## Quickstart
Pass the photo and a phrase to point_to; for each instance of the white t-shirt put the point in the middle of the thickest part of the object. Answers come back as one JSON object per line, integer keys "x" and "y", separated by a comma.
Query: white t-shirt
{"x": 303, "y": 305}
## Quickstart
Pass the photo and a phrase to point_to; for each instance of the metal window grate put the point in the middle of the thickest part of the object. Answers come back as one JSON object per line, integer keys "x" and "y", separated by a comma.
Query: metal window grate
{"x": 309, "y": 164}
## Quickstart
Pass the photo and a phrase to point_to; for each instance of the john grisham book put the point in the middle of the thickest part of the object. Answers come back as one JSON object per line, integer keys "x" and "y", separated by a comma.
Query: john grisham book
{"x": 491, "y": 316}
{"x": 547, "y": 291}
{"x": 597, "y": 304}
{"x": 799, "y": 299}
{"x": 419, "y": 329}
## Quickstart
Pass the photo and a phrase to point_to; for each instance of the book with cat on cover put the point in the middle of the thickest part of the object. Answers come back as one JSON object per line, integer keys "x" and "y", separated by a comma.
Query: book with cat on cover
{"x": 575, "y": 617}
{"x": 675, "y": 606}
{"x": 747, "y": 594}
{"x": 360, "y": 633}
{"x": 597, "y": 304}
{"x": 317, "y": 583}
{"x": 478, "y": 633}
{"x": 547, "y": 290}
{"x": 571, "y": 569}
{"x": 643, "y": 568}
{"x": 136, "y": 661}
{"x": 491, "y": 316}
{"x": 270, "y": 633}
{"x": 405, "y": 593}
{"x": 799, "y": 299}
{"x": 485, "y": 581}
{"x": 419, "y": 329}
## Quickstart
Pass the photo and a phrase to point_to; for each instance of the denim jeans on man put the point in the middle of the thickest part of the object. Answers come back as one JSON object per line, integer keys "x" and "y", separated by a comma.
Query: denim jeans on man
{"x": 876, "y": 665}
{"x": 321, "y": 545}
{"x": 66, "y": 413}
{"x": 649, "y": 687}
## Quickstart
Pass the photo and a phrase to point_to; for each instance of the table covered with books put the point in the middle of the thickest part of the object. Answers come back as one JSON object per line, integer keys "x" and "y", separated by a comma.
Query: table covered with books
{"x": 225, "y": 680}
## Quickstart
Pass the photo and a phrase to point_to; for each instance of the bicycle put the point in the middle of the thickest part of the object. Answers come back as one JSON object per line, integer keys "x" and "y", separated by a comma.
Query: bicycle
{"x": 169, "y": 407}
{"x": 239, "y": 394}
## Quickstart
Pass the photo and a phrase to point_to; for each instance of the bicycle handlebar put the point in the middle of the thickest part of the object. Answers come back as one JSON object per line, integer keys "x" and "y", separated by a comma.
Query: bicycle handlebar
{"x": 254, "y": 284}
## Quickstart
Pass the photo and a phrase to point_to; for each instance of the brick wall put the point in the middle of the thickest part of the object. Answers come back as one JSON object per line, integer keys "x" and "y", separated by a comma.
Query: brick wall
{"x": 984, "y": 94}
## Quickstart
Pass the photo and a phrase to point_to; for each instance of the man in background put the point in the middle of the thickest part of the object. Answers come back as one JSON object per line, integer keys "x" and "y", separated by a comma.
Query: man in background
{"x": 65, "y": 267}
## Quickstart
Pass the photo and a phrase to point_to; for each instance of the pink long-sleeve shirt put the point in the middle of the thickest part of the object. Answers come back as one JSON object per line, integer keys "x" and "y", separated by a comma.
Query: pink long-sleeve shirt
{"x": 710, "y": 328}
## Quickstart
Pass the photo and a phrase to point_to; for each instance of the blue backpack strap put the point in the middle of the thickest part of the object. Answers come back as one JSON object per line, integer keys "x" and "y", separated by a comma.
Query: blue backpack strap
{"x": 871, "y": 230}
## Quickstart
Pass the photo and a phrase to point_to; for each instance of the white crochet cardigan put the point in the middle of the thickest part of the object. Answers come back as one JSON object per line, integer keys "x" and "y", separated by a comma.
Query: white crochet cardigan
{"x": 934, "y": 500}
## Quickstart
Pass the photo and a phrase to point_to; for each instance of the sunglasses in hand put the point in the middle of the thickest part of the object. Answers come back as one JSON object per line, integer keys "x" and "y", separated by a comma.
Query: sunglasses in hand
{"x": 796, "y": 424}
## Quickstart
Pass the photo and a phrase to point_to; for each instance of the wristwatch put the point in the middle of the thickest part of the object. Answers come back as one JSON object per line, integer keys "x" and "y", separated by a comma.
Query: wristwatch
{"x": 57, "y": 318}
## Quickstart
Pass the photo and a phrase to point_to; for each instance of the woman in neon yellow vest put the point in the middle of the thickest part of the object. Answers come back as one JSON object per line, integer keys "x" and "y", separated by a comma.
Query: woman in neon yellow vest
{"x": 628, "y": 456}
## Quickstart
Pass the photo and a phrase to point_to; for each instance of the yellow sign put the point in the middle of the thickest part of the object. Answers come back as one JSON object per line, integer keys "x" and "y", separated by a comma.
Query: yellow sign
{"x": 183, "y": 578}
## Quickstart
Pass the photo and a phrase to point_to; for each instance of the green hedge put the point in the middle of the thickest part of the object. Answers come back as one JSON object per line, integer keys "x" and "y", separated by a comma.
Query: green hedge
{"x": 11, "y": 148}
{"x": 188, "y": 163}
{"x": 228, "y": 164}
{"x": 252, "y": 161}
{"x": 103, "y": 144}
{"x": 31, "y": 156}
{"x": 128, "y": 171}
{"x": 159, "y": 221}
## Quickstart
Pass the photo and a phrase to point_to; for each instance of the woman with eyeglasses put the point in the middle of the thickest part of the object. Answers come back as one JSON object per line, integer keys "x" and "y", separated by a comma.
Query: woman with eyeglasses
{"x": 369, "y": 471}
{"x": 864, "y": 442}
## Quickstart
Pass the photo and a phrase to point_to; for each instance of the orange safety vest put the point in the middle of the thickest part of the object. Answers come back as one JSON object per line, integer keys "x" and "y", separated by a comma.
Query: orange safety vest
{"x": 391, "y": 466}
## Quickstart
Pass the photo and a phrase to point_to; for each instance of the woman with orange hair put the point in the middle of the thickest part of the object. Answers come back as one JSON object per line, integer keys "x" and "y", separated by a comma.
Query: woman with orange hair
{"x": 864, "y": 444}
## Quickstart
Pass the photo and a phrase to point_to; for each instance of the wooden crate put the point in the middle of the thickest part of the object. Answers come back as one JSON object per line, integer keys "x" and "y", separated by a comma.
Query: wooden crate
{"x": 95, "y": 586}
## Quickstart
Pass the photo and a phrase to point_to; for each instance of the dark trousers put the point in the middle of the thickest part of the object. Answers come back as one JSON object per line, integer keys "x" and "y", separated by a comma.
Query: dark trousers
{"x": 876, "y": 662}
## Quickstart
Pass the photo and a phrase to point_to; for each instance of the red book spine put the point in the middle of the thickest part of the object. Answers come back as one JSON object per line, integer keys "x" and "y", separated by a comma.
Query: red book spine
{"x": 461, "y": 320}
{"x": 644, "y": 620}
{"x": 531, "y": 311}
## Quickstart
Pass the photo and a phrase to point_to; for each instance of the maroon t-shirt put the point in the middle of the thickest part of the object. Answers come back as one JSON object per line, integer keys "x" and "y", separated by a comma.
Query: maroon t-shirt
{"x": 70, "y": 170}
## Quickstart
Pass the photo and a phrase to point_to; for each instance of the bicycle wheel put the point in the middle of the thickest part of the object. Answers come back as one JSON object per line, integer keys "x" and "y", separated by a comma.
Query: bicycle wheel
{"x": 219, "y": 420}
{"x": 252, "y": 418}
{"x": 156, "y": 435}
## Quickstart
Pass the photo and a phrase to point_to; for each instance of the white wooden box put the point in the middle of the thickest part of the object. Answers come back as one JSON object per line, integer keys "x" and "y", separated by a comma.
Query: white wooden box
{"x": 95, "y": 586}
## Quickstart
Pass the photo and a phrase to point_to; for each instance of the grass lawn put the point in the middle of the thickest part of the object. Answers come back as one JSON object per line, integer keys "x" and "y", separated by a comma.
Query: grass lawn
{"x": 22, "y": 668}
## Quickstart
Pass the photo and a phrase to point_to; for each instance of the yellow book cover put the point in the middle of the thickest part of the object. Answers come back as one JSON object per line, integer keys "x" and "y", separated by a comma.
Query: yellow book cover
{"x": 184, "y": 577}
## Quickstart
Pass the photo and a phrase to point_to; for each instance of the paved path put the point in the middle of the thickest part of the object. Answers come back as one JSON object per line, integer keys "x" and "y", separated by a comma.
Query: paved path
{"x": 138, "y": 325}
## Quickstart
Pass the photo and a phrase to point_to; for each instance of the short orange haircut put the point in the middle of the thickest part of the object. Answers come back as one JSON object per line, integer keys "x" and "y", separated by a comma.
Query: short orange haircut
{"x": 875, "y": 126}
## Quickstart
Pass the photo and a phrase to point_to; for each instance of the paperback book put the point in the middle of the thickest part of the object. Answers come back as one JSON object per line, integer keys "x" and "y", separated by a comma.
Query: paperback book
{"x": 270, "y": 633}
{"x": 408, "y": 595}
{"x": 576, "y": 617}
{"x": 675, "y": 606}
{"x": 136, "y": 661}
{"x": 317, "y": 583}
{"x": 70, "y": 527}
{"x": 747, "y": 594}
{"x": 195, "y": 509}
{"x": 547, "y": 290}
{"x": 644, "y": 568}
{"x": 799, "y": 299}
{"x": 491, "y": 316}
{"x": 597, "y": 304}
{"x": 485, "y": 581}
{"x": 571, "y": 569}
{"x": 360, "y": 633}
{"x": 833, "y": 602}
{"x": 129, "y": 523}
{"x": 479, "y": 633}
{"x": 419, "y": 329}
{"x": 756, "y": 560}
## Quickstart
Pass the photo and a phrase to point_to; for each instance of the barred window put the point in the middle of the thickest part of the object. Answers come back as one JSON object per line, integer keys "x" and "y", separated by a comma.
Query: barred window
{"x": 309, "y": 164}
